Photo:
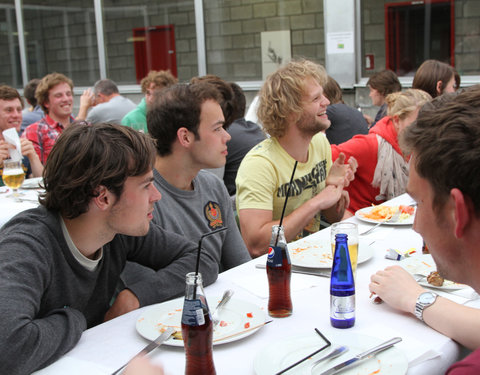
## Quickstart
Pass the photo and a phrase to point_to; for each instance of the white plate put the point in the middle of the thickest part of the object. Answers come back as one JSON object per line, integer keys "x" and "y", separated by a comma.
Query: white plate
{"x": 283, "y": 353}
{"x": 359, "y": 215}
{"x": 32, "y": 183}
{"x": 169, "y": 314}
{"x": 423, "y": 265}
{"x": 318, "y": 254}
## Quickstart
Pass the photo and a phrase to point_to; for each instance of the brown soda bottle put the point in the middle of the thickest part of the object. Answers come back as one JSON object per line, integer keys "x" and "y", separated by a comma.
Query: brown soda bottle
{"x": 279, "y": 271}
{"x": 197, "y": 328}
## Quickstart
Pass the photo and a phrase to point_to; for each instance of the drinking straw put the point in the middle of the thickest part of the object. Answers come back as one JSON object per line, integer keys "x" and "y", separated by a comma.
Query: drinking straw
{"x": 328, "y": 343}
{"x": 285, "y": 203}
{"x": 198, "y": 256}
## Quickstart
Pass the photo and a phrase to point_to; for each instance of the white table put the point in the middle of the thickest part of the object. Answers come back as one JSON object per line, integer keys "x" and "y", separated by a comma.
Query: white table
{"x": 9, "y": 207}
{"x": 104, "y": 348}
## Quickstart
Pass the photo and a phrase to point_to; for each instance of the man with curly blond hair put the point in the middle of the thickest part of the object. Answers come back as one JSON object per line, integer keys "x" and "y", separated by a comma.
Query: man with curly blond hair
{"x": 153, "y": 81}
{"x": 292, "y": 109}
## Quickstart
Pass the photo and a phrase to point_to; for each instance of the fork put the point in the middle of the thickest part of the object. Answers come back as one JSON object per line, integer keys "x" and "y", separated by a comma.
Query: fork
{"x": 225, "y": 298}
{"x": 338, "y": 351}
{"x": 393, "y": 219}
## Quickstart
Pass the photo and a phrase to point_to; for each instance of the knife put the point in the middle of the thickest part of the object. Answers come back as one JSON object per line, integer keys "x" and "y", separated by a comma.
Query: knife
{"x": 360, "y": 357}
{"x": 153, "y": 344}
{"x": 322, "y": 274}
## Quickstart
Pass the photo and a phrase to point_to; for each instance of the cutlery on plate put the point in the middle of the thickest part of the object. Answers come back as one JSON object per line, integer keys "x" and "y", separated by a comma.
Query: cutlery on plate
{"x": 322, "y": 274}
{"x": 419, "y": 276}
{"x": 393, "y": 219}
{"x": 336, "y": 352}
{"x": 362, "y": 356}
{"x": 225, "y": 298}
{"x": 153, "y": 344}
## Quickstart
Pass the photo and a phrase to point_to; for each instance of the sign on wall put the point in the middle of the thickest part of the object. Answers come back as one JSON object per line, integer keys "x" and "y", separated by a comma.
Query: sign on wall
{"x": 276, "y": 50}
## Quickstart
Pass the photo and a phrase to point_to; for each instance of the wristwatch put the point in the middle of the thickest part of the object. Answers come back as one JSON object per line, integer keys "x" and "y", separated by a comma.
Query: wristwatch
{"x": 423, "y": 301}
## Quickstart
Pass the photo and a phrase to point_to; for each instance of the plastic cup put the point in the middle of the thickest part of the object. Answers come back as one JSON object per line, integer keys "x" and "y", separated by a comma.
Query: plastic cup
{"x": 351, "y": 230}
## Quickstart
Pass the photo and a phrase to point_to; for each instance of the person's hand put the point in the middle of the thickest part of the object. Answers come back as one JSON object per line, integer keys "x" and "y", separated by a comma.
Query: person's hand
{"x": 368, "y": 119}
{"x": 341, "y": 173}
{"x": 4, "y": 147}
{"x": 343, "y": 202}
{"x": 125, "y": 302}
{"x": 27, "y": 148}
{"x": 395, "y": 286}
{"x": 142, "y": 366}
{"x": 328, "y": 197}
{"x": 87, "y": 99}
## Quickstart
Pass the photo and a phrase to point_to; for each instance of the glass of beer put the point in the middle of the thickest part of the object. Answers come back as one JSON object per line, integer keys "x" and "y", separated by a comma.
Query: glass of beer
{"x": 351, "y": 230}
{"x": 13, "y": 176}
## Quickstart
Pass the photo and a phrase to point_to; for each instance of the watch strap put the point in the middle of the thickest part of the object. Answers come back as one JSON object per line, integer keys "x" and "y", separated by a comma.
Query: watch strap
{"x": 420, "y": 306}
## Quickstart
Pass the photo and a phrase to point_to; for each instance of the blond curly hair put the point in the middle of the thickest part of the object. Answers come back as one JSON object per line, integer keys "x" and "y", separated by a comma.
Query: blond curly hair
{"x": 281, "y": 95}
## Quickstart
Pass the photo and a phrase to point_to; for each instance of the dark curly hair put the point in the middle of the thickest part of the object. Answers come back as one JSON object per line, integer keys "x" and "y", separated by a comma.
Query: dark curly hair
{"x": 85, "y": 157}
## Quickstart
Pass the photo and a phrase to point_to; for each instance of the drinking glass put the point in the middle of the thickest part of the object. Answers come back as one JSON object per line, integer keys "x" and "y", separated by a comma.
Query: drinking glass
{"x": 13, "y": 176}
{"x": 351, "y": 230}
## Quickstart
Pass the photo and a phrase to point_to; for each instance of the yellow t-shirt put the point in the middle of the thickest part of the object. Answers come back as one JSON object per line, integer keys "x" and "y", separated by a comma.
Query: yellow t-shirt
{"x": 264, "y": 174}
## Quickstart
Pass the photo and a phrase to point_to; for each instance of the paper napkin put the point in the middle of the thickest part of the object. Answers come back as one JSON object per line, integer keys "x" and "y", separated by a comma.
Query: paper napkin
{"x": 11, "y": 136}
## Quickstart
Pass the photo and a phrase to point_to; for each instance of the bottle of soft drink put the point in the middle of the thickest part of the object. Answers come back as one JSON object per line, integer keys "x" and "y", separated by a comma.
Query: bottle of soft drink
{"x": 342, "y": 286}
{"x": 279, "y": 271}
{"x": 197, "y": 328}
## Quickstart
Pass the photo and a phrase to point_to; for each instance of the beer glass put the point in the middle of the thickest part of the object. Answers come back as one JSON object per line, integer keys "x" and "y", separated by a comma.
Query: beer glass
{"x": 351, "y": 230}
{"x": 13, "y": 176}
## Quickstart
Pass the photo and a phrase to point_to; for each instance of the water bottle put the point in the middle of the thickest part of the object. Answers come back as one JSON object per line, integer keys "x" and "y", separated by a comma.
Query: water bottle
{"x": 342, "y": 286}
{"x": 279, "y": 271}
{"x": 197, "y": 328}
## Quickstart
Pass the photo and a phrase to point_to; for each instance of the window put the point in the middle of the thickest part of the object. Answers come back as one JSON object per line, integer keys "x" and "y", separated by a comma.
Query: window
{"x": 400, "y": 35}
{"x": 10, "y": 73}
{"x": 60, "y": 36}
{"x": 150, "y": 35}
{"x": 406, "y": 23}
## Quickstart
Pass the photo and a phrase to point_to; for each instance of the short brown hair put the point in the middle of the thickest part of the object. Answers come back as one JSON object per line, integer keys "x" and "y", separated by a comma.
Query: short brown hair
{"x": 445, "y": 143}
{"x": 85, "y": 157}
{"x": 29, "y": 91}
{"x": 227, "y": 101}
{"x": 282, "y": 94}
{"x": 332, "y": 91}
{"x": 175, "y": 107}
{"x": 9, "y": 93}
{"x": 46, "y": 84}
{"x": 161, "y": 79}
{"x": 432, "y": 71}
{"x": 385, "y": 82}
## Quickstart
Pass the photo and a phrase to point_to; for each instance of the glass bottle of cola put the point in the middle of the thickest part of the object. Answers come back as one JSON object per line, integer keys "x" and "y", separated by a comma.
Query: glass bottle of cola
{"x": 197, "y": 328}
{"x": 342, "y": 286}
{"x": 279, "y": 271}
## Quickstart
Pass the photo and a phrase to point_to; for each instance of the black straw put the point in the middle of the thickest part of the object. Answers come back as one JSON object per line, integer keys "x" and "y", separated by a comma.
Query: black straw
{"x": 286, "y": 199}
{"x": 198, "y": 256}
{"x": 328, "y": 343}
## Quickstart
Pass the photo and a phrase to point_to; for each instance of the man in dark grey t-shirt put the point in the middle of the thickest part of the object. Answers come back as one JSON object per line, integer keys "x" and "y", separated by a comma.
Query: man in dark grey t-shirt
{"x": 60, "y": 263}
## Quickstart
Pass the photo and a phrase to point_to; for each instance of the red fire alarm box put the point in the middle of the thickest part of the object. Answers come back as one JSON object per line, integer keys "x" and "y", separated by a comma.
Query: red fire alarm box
{"x": 369, "y": 62}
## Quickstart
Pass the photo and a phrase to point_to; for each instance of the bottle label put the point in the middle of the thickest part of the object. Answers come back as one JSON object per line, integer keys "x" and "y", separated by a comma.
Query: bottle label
{"x": 275, "y": 257}
{"x": 192, "y": 314}
{"x": 342, "y": 307}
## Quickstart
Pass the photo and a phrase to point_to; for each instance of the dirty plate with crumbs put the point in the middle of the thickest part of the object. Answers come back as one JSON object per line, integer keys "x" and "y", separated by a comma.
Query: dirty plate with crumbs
{"x": 236, "y": 316}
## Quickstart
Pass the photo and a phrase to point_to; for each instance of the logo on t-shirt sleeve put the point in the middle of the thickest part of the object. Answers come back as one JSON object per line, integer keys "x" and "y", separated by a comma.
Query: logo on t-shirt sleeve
{"x": 213, "y": 214}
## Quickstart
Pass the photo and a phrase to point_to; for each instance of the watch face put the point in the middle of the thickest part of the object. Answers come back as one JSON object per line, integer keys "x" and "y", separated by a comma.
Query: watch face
{"x": 427, "y": 298}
